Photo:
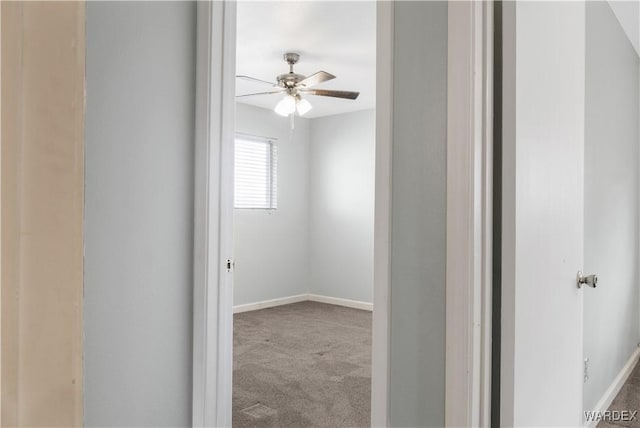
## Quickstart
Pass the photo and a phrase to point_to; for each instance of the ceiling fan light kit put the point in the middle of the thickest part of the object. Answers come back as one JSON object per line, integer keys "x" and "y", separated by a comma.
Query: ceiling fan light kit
{"x": 286, "y": 106}
{"x": 294, "y": 85}
{"x": 290, "y": 104}
{"x": 302, "y": 106}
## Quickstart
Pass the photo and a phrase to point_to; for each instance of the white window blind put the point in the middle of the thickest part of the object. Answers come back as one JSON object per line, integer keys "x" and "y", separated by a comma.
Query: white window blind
{"x": 256, "y": 172}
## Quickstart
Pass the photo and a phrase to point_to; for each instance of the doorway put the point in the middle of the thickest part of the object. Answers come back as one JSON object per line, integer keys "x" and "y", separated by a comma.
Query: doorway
{"x": 304, "y": 173}
{"x": 215, "y": 133}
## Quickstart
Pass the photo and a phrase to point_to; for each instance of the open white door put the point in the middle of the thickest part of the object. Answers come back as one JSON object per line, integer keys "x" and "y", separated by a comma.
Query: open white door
{"x": 543, "y": 177}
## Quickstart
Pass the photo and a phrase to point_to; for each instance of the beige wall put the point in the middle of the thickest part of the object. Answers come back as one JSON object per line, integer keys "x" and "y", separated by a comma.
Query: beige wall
{"x": 42, "y": 209}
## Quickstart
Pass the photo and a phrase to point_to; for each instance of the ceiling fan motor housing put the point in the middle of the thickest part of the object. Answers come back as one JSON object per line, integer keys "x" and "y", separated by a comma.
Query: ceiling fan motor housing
{"x": 290, "y": 80}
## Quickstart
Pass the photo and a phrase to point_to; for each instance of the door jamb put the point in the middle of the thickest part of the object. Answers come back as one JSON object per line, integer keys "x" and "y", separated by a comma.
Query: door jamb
{"x": 380, "y": 345}
{"x": 469, "y": 214}
{"x": 213, "y": 214}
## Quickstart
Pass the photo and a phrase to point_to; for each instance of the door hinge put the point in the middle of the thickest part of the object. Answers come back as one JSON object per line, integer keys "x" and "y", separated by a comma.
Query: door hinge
{"x": 230, "y": 265}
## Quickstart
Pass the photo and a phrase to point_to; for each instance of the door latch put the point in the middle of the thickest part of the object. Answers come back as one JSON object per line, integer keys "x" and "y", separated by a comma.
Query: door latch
{"x": 230, "y": 265}
{"x": 590, "y": 280}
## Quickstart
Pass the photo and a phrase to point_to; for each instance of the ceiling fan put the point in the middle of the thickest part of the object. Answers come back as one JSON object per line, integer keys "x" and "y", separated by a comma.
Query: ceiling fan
{"x": 294, "y": 85}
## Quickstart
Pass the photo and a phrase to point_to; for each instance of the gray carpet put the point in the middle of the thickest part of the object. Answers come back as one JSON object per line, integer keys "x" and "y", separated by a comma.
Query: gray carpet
{"x": 305, "y": 364}
{"x": 628, "y": 399}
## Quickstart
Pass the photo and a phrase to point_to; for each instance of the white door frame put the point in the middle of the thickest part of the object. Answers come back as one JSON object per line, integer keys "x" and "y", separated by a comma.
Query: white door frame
{"x": 213, "y": 216}
{"x": 468, "y": 215}
{"x": 380, "y": 343}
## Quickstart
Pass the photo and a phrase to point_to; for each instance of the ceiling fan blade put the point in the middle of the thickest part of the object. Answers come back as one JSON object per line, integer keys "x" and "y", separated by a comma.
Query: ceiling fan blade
{"x": 314, "y": 79}
{"x": 279, "y": 91}
{"x": 330, "y": 93}
{"x": 253, "y": 79}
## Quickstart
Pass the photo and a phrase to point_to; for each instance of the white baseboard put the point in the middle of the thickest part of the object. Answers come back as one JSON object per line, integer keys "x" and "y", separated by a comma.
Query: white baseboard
{"x": 301, "y": 298}
{"x": 269, "y": 303}
{"x": 614, "y": 388}
{"x": 341, "y": 302}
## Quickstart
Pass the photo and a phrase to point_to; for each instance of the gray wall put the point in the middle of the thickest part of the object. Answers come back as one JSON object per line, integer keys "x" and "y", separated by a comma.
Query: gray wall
{"x": 341, "y": 190}
{"x": 320, "y": 239}
{"x": 139, "y": 213}
{"x": 611, "y": 313}
{"x": 418, "y": 215}
{"x": 271, "y": 248}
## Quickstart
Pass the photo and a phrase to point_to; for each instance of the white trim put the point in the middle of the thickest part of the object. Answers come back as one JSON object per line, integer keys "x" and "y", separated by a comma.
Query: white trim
{"x": 224, "y": 346}
{"x": 616, "y": 385}
{"x": 202, "y": 386}
{"x": 380, "y": 368}
{"x": 213, "y": 216}
{"x": 271, "y": 303}
{"x": 347, "y": 303}
{"x": 308, "y": 297}
{"x": 468, "y": 286}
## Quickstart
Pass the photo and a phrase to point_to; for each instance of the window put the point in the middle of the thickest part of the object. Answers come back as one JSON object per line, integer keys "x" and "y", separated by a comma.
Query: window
{"x": 255, "y": 172}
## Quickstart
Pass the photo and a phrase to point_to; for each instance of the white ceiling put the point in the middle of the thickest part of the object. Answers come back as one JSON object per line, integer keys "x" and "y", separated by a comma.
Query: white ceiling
{"x": 336, "y": 37}
{"x": 628, "y": 14}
